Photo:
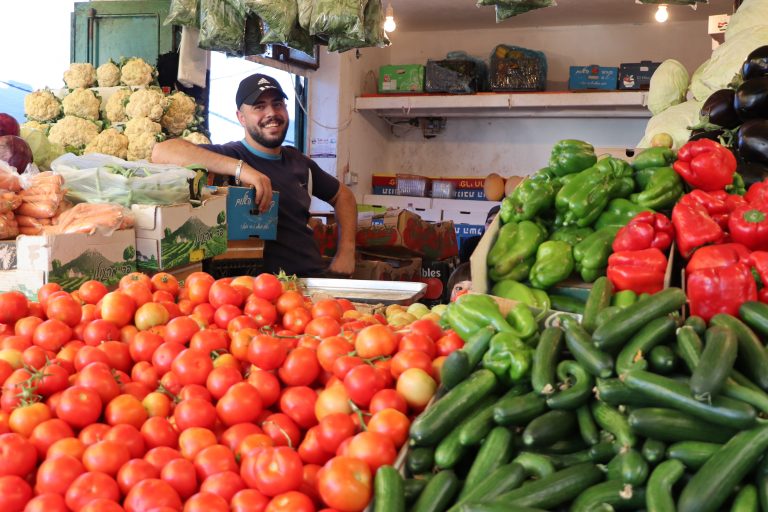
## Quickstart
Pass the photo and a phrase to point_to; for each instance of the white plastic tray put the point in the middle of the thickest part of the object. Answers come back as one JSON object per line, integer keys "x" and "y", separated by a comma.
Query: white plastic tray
{"x": 367, "y": 291}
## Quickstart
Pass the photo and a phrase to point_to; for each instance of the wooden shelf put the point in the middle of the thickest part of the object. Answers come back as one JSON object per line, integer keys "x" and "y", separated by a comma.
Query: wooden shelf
{"x": 592, "y": 104}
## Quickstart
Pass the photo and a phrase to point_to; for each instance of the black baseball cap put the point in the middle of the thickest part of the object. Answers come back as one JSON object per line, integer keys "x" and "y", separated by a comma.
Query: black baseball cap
{"x": 252, "y": 87}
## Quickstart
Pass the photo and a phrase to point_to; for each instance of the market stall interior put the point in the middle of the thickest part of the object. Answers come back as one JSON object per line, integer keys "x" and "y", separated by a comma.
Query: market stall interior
{"x": 605, "y": 345}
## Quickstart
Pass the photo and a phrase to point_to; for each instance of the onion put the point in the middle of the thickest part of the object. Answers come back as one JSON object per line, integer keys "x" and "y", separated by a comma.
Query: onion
{"x": 8, "y": 125}
{"x": 16, "y": 152}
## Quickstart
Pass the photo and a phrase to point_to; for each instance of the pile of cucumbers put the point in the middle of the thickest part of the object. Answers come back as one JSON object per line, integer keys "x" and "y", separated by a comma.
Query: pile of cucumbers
{"x": 628, "y": 408}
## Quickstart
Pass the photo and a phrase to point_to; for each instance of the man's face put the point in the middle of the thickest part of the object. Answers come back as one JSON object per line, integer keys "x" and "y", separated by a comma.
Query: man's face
{"x": 266, "y": 120}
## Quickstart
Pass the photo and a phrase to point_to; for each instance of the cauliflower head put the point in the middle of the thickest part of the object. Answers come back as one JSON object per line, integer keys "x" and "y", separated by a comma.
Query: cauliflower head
{"x": 197, "y": 138}
{"x": 114, "y": 108}
{"x": 136, "y": 72}
{"x": 108, "y": 74}
{"x": 82, "y": 103}
{"x": 73, "y": 131}
{"x": 180, "y": 114}
{"x": 80, "y": 74}
{"x": 140, "y": 146}
{"x": 139, "y": 125}
{"x": 109, "y": 142}
{"x": 151, "y": 103}
{"x": 34, "y": 125}
{"x": 42, "y": 106}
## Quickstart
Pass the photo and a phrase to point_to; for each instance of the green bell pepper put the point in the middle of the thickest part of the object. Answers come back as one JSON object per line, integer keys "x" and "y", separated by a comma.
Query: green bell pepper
{"x": 543, "y": 302}
{"x": 534, "y": 195}
{"x": 660, "y": 188}
{"x": 517, "y": 273}
{"x": 508, "y": 358}
{"x": 481, "y": 309}
{"x": 571, "y": 234}
{"x": 554, "y": 262}
{"x": 514, "y": 290}
{"x": 522, "y": 321}
{"x": 522, "y": 245}
{"x": 584, "y": 197}
{"x": 653, "y": 157}
{"x": 591, "y": 254}
{"x": 503, "y": 244}
{"x": 461, "y": 324}
{"x": 571, "y": 156}
{"x": 618, "y": 213}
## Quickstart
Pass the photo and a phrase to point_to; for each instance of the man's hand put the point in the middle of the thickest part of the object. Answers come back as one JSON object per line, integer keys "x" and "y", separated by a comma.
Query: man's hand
{"x": 250, "y": 177}
{"x": 343, "y": 263}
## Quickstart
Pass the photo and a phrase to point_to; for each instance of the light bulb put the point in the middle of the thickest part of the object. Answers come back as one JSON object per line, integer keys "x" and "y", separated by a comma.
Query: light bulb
{"x": 662, "y": 14}
{"x": 389, "y": 20}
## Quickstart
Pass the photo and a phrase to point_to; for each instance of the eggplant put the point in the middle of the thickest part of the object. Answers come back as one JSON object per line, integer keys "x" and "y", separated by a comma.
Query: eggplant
{"x": 752, "y": 172}
{"x": 751, "y": 99}
{"x": 752, "y": 141}
{"x": 700, "y": 133}
{"x": 756, "y": 64}
{"x": 719, "y": 109}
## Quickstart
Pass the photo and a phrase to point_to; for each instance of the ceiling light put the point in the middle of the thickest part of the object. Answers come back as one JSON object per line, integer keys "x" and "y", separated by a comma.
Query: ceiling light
{"x": 661, "y": 15}
{"x": 389, "y": 20}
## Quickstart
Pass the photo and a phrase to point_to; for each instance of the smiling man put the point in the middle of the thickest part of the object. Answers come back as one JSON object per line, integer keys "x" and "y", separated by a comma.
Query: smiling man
{"x": 261, "y": 161}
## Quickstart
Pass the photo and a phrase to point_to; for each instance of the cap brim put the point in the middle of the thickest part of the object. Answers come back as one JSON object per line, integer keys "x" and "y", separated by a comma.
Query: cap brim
{"x": 254, "y": 96}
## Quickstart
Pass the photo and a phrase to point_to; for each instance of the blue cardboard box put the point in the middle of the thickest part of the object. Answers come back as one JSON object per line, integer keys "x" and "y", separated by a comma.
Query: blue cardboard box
{"x": 244, "y": 221}
{"x": 464, "y": 231}
{"x": 636, "y": 75}
{"x": 593, "y": 77}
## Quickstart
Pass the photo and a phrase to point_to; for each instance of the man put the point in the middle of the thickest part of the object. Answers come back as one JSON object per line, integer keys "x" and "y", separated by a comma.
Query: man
{"x": 261, "y": 161}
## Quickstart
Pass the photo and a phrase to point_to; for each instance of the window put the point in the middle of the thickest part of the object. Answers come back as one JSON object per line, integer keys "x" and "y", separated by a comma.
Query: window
{"x": 225, "y": 75}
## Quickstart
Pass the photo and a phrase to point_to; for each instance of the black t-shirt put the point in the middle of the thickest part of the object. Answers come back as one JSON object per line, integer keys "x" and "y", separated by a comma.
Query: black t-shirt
{"x": 295, "y": 249}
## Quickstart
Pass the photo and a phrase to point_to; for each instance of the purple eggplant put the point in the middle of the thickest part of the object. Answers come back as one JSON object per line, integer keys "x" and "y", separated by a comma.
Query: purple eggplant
{"x": 751, "y": 99}
{"x": 756, "y": 64}
{"x": 719, "y": 109}
{"x": 752, "y": 141}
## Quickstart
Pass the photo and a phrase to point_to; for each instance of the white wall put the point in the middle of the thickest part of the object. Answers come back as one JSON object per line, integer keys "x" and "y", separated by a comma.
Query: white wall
{"x": 508, "y": 146}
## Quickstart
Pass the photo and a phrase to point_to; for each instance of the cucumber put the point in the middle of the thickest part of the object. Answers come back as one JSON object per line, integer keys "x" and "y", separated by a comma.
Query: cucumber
{"x": 755, "y": 315}
{"x": 629, "y": 320}
{"x": 689, "y": 346}
{"x": 579, "y": 343}
{"x": 567, "y": 304}
{"x": 602, "y": 452}
{"x": 662, "y": 359}
{"x": 477, "y": 426}
{"x": 611, "y": 420}
{"x": 655, "y": 332}
{"x": 449, "y": 450}
{"x": 389, "y": 493}
{"x": 587, "y": 426}
{"x": 653, "y": 451}
{"x": 693, "y": 454}
{"x": 628, "y": 467}
{"x": 598, "y": 299}
{"x": 545, "y": 360}
{"x": 658, "y": 495}
{"x": 761, "y": 483}
{"x": 436, "y": 421}
{"x": 577, "y": 387}
{"x": 420, "y": 460}
{"x": 614, "y": 392}
{"x": 618, "y": 495}
{"x": 565, "y": 446}
{"x": 711, "y": 485}
{"x": 715, "y": 364}
{"x": 460, "y": 363}
{"x": 668, "y": 392}
{"x": 554, "y": 490}
{"x": 697, "y": 323}
{"x": 673, "y": 426}
{"x": 753, "y": 357}
{"x": 505, "y": 478}
{"x": 412, "y": 488}
{"x": 535, "y": 464}
{"x": 565, "y": 460}
{"x": 606, "y": 314}
{"x": 490, "y": 507}
{"x": 519, "y": 409}
{"x": 549, "y": 428}
{"x": 439, "y": 493}
{"x": 495, "y": 451}
{"x": 746, "y": 500}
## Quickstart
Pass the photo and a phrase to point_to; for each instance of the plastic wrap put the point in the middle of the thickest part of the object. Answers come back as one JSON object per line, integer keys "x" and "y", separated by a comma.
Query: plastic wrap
{"x": 9, "y": 178}
{"x": 9, "y": 201}
{"x": 280, "y": 16}
{"x": 222, "y": 25}
{"x": 338, "y": 17}
{"x": 42, "y": 197}
{"x": 104, "y": 218}
{"x": 184, "y": 13}
{"x": 254, "y": 31}
{"x": 455, "y": 76}
{"x": 374, "y": 30}
{"x": 9, "y": 228}
{"x": 514, "y": 68}
{"x": 97, "y": 178}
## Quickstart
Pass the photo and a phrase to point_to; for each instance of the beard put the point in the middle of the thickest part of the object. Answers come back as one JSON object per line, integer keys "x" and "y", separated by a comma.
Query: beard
{"x": 267, "y": 141}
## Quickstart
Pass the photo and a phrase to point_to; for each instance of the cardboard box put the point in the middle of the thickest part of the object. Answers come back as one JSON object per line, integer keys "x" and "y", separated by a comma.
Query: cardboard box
{"x": 465, "y": 231}
{"x": 592, "y": 77}
{"x": 401, "y": 78}
{"x": 379, "y": 268}
{"x": 402, "y": 232}
{"x": 636, "y": 76}
{"x": 243, "y": 219}
{"x": 435, "y": 273}
{"x": 177, "y": 235}
{"x": 718, "y": 24}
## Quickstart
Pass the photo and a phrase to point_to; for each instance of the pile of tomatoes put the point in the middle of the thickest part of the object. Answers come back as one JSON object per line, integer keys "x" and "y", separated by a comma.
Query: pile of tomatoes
{"x": 223, "y": 395}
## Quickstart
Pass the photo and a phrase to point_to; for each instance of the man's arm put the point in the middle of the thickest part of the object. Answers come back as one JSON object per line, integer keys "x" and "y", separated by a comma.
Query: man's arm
{"x": 345, "y": 210}
{"x": 181, "y": 152}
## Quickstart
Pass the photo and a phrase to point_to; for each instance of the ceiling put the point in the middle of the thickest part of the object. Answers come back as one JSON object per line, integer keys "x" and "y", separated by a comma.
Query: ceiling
{"x": 418, "y": 15}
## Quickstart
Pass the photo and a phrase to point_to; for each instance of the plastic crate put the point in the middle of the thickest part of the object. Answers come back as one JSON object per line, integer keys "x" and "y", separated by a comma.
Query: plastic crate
{"x": 453, "y": 76}
{"x": 517, "y": 69}
{"x": 413, "y": 185}
{"x": 443, "y": 189}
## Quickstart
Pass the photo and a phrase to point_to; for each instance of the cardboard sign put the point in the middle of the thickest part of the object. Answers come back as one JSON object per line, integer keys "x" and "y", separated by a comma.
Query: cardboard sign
{"x": 243, "y": 219}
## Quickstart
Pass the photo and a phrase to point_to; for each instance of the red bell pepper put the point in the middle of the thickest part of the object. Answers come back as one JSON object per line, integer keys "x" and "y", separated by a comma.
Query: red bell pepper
{"x": 732, "y": 201}
{"x": 757, "y": 193}
{"x": 720, "y": 290}
{"x": 645, "y": 230}
{"x": 705, "y": 164}
{"x": 694, "y": 227}
{"x": 759, "y": 262}
{"x": 748, "y": 225}
{"x": 640, "y": 271}
{"x": 716, "y": 207}
{"x": 717, "y": 256}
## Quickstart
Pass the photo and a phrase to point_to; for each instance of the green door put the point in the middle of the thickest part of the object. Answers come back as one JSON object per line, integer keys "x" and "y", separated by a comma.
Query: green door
{"x": 120, "y": 28}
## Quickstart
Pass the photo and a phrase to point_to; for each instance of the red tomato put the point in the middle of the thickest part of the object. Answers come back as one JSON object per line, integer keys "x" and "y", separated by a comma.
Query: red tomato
{"x": 406, "y": 359}
{"x": 240, "y": 404}
{"x": 362, "y": 382}
{"x": 93, "y": 433}
{"x": 57, "y": 474}
{"x": 180, "y": 474}
{"x": 333, "y": 429}
{"x": 100, "y": 330}
{"x": 221, "y": 379}
{"x": 181, "y": 329}
{"x": 25, "y": 418}
{"x": 194, "y": 439}
{"x": 47, "y": 502}
{"x": 204, "y": 311}
{"x": 267, "y": 352}
{"x": 418, "y": 341}
{"x": 163, "y": 281}
{"x": 91, "y": 486}
{"x": 99, "y": 377}
{"x": 192, "y": 366}
{"x": 66, "y": 446}
{"x": 387, "y": 399}
{"x": 261, "y": 310}
{"x": 327, "y": 307}
{"x": 52, "y": 334}
{"x": 163, "y": 356}
{"x": 236, "y": 433}
{"x": 106, "y": 456}
{"x": 333, "y": 399}
{"x": 322, "y": 327}
{"x": 118, "y": 308}
{"x": 296, "y": 319}
{"x": 130, "y": 437}
{"x": 149, "y": 315}
{"x": 206, "y": 502}
{"x": 79, "y": 406}
{"x": 209, "y": 340}
{"x": 281, "y": 429}
{"x": 300, "y": 367}
{"x": 133, "y": 472}
{"x": 225, "y": 314}
{"x": 14, "y": 493}
{"x": 332, "y": 348}
{"x": 298, "y": 403}
{"x": 267, "y": 286}
{"x": 161, "y": 456}
{"x": 194, "y": 412}
{"x": 150, "y": 494}
{"x": 344, "y": 483}
{"x": 63, "y": 308}
{"x": 373, "y": 448}
{"x": 13, "y": 306}
{"x": 267, "y": 384}
{"x": 143, "y": 346}
{"x": 273, "y": 471}
{"x": 311, "y": 451}
{"x": 47, "y": 433}
{"x": 46, "y": 291}
{"x": 391, "y": 423}
{"x": 292, "y": 501}
{"x": 135, "y": 277}
{"x": 158, "y": 431}
{"x": 125, "y": 409}
{"x": 222, "y": 293}
{"x": 450, "y": 342}
{"x": 252, "y": 445}
{"x": 214, "y": 459}
{"x": 249, "y": 500}
{"x": 375, "y": 341}
{"x": 102, "y": 505}
{"x": 225, "y": 484}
